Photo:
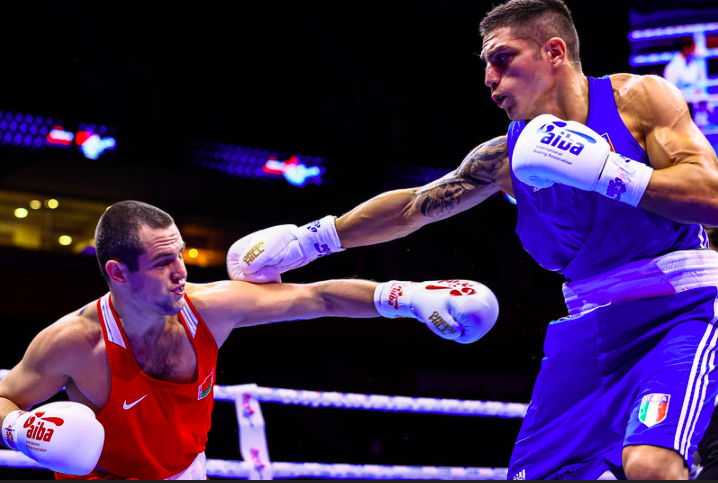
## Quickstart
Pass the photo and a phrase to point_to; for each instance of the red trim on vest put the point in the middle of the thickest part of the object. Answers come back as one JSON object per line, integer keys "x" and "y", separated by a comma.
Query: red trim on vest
{"x": 155, "y": 429}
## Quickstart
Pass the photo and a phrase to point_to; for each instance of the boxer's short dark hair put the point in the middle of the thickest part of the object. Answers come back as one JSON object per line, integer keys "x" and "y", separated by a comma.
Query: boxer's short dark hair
{"x": 117, "y": 235}
{"x": 535, "y": 20}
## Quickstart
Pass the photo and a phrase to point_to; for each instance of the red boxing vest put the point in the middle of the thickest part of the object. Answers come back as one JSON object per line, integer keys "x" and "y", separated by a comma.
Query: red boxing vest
{"x": 153, "y": 429}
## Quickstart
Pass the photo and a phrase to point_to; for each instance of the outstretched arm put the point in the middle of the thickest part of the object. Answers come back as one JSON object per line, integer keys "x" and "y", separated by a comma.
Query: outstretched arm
{"x": 262, "y": 256}
{"x": 397, "y": 213}
{"x": 240, "y": 304}
{"x": 454, "y": 309}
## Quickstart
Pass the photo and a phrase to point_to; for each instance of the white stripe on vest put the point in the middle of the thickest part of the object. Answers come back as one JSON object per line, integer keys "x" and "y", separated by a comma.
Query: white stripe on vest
{"x": 114, "y": 334}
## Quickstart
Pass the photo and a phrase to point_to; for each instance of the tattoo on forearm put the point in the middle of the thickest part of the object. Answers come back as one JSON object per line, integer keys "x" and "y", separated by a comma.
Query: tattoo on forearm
{"x": 483, "y": 164}
{"x": 439, "y": 200}
{"x": 479, "y": 168}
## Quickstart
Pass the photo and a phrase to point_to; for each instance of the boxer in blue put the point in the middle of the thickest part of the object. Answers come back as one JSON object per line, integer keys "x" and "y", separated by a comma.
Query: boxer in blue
{"x": 613, "y": 181}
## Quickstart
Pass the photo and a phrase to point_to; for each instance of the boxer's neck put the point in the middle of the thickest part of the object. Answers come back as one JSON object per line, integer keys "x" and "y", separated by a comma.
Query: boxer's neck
{"x": 570, "y": 96}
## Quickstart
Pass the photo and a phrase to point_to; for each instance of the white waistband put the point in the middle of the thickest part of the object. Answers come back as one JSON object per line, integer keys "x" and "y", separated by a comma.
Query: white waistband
{"x": 196, "y": 471}
{"x": 665, "y": 275}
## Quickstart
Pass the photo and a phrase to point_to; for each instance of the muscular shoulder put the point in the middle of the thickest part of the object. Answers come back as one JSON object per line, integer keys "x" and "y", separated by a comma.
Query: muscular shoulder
{"x": 228, "y": 304}
{"x": 218, "y": 299}
{"x": 206, "y": 297}
{"x": 216, "y": 303}
{"x": 71, "y": 342}
{"x": 646, "y": 98}
{"x": 630, "y": 88}
{"x": 646, "y": 103}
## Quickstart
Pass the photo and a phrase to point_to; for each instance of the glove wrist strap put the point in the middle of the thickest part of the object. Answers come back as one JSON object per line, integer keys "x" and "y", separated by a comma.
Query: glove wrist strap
{"x": 393, "y": 299}
{"x": 320, "y": 238}
{"x": 9, "y": 431}
{"x": 624, "y": 179}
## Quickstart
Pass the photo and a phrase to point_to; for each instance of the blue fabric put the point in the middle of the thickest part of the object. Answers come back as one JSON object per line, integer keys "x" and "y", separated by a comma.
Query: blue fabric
{"x": 597, "y": 369}
{"x": 581, "y": 233}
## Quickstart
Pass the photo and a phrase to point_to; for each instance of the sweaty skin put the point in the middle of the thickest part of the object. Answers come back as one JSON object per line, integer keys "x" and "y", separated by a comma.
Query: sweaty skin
{"x": 682, "y": 187}
{"x": 527, "y": 81}
{"x": 71, "y": 352}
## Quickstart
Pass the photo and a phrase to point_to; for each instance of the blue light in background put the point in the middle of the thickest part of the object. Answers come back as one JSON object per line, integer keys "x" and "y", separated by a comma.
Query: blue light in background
{"x": 38, "y": 132}
{"x": 260, "y": 164}
{"x": 660, "y": 58}
{"x": 94, "y": 146}
{"x": 671, "y": 31}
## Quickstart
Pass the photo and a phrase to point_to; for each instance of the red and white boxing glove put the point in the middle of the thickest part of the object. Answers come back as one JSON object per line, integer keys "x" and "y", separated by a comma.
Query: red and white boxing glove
{"x": 550, "y": 151}
{"x": 459, "y": 310}
{"x": 263, "y": 255}
{"x": 62, "y": 436}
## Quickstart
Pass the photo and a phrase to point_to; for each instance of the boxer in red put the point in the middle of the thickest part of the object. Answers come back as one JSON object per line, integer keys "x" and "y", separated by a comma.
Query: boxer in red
{"x": 139, "y": 364}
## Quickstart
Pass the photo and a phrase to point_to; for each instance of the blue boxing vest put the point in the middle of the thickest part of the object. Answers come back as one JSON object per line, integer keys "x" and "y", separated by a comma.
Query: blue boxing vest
{"x": 580, "y": 233}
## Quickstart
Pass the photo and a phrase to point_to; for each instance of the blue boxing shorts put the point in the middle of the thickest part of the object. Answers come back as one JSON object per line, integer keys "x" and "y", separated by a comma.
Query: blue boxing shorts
{"x": 633, "y": 364}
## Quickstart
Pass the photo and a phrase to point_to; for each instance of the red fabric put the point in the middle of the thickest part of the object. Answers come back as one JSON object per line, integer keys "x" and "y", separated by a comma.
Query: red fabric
{"x": 162, "y": 434}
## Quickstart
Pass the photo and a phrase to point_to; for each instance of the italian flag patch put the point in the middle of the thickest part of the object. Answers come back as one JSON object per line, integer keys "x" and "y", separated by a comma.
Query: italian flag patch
{"x": 654, "y": 408}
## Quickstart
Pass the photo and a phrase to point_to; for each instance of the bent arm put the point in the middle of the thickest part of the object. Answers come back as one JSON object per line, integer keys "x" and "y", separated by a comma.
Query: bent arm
{"x": 397, "y": 213}
{"x": 684, "y": 185}
{"x": 37, "y": 377}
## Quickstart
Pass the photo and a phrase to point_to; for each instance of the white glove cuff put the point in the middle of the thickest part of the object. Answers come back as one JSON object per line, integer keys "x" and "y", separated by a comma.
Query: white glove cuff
{"x": 624, "y": 179}
{"x": 320, "y": 238}
{"x": 393, "y": 299}
{"x": 7, "y": 433}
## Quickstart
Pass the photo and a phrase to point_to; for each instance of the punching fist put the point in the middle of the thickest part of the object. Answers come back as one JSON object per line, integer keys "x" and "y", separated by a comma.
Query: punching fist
{"x": 459, "y": 310}
{"x": 550, "y": 151}
{"x": 262, "y": 256}
{"x": 62, "y": 436}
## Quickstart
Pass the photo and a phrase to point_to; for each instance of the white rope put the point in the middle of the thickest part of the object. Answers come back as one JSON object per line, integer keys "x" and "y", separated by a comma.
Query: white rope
{"x": 456, "y": 407}
{"x": 242, "y": 469}
{"x": 219, "y": 468}
{"x": 256, "y": 464}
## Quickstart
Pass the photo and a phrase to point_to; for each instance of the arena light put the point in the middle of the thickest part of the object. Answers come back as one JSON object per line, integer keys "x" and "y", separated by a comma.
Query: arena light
{"x": 92, "y": 145}
{"x": 671, "y": 31}
{"x": 35, "y": 204}
{"x": 650, "y": 59}
{"x": 294, "y": 171}
{"x": 65, "y": 240}
{"x": 662, "y": 57}
{"x": 193, "y": 253}
{"x": 21, "y": 213}
{"x": 38, "y": 132}
{"x": 254, "y": 163}
{"x": 52, "y": 203}
{"x": 59, "y": 137}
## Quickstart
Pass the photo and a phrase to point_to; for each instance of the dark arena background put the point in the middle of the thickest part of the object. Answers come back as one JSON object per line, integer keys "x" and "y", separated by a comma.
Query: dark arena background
{"x": 236, "y": 116}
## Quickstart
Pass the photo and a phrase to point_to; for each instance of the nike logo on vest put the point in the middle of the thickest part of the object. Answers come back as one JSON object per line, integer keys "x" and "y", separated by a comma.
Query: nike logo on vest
{"x": 126, "y": 406}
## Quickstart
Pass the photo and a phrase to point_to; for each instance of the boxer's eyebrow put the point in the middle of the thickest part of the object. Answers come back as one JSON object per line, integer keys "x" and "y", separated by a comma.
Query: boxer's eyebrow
{"x": 167, "y": 254}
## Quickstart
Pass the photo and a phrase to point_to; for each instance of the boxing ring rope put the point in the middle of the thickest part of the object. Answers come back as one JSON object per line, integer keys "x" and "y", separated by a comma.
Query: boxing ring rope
{"x": 253, "y": 441}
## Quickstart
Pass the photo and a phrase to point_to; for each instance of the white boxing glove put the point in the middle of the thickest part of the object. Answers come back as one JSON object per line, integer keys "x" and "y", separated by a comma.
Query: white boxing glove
{"x": 550, "y": 151}
{"x": 263, "y": 255}
{"x": 62, "y": 436}
{"x": 459, "y": 310}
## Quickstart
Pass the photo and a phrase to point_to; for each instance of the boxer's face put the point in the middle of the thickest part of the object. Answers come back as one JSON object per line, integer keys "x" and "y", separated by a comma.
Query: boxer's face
{"x": 520, "y": 80}
{"x": 160, "y": 281}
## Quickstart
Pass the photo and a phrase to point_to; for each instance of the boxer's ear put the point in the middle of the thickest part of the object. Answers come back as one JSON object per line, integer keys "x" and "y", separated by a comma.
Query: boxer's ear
{"x": 555, "y": 50}
{"x": 116, "y": 271}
